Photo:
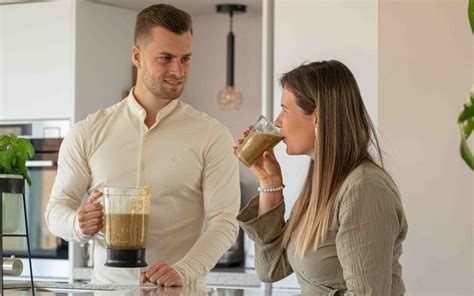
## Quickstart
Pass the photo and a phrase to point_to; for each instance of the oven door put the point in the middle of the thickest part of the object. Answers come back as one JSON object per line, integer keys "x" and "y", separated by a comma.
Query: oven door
{"x": 42, "y": 243}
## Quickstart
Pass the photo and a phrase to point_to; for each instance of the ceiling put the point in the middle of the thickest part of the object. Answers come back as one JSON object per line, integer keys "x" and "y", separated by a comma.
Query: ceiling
{"x": 191, "y": 6}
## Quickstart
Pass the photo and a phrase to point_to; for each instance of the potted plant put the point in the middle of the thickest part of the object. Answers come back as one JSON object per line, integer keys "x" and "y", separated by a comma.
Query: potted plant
{"x": 14, "y": 152}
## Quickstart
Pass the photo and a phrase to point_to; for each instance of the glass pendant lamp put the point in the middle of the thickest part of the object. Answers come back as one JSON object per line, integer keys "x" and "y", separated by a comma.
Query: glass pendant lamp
{"x": 229, "y": 97}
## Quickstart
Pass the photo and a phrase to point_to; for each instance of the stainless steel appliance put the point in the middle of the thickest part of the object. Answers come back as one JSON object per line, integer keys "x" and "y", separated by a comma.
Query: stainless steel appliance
{"x": 46, "y": 137}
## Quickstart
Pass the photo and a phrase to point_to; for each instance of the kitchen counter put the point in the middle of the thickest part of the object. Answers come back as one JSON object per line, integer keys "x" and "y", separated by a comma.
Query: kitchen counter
{"x": 17, "y": 288}
{"x": 236, "y": 276}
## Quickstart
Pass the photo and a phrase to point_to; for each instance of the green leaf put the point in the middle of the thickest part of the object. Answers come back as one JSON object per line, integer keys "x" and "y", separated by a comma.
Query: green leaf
{"x": 5, "y": 165}
{"x": 13, "y": 154}
{"x": 467, "y": 127}
{"x": 468, "y": 111}
{"x": 10, "y": 158}
{"x": 21, "y": 160}
{"x": 466, "y": 154}
{"x": 26, "y": 147}
{"x": 28, "y": 179}
{"x": 24, "y": 173}
{"x": 4, "y": 139}
{"x": 470, "y": 12}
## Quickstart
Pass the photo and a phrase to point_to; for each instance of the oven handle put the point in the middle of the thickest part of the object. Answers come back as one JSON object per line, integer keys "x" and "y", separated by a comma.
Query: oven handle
{"x": 40, "y": 163}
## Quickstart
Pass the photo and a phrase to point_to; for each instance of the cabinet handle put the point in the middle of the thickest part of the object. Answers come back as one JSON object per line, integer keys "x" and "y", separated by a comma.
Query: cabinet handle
{"x": 39, "y": 163}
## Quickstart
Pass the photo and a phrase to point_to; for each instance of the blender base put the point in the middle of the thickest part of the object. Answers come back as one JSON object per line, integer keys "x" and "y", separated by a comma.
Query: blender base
{"x": 125, "y": 258}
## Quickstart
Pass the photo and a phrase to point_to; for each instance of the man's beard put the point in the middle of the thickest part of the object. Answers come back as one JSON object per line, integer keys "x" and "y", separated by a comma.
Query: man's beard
{"x": 153, "y": 86}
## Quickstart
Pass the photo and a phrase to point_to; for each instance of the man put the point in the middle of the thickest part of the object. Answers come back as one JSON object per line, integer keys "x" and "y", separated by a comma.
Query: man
{"x": 153, "y": 138}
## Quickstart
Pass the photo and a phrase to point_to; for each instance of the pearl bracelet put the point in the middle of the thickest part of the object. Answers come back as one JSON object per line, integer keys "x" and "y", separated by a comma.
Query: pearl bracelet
{"x": 275, "y": 189}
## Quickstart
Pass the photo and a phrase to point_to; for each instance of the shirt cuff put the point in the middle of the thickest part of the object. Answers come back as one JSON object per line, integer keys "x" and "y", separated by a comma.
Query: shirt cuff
{"x": 264, "y": 228}
{"x": 187, "y": 277}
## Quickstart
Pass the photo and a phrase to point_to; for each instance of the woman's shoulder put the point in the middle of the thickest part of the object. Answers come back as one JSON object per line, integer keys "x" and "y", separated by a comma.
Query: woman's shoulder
{"x": 369, "y": 175}
{"x": 369, "y": 172}
{"x": 369, "y": 192}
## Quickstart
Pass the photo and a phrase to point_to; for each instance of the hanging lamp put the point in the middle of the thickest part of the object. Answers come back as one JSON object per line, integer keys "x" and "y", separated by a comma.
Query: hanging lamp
{"x": 229, "y": 97}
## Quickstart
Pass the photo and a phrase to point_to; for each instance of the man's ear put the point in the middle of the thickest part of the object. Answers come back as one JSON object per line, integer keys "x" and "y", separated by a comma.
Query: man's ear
{"x": 137, "y": 56}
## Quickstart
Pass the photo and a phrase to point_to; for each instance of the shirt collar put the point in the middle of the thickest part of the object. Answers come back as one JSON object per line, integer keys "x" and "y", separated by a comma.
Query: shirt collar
{"x": 140, "y": 112}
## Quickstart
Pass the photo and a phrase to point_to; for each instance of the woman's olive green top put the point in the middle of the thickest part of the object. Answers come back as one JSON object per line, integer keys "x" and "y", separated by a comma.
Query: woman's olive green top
{"x": 360, "y": 253}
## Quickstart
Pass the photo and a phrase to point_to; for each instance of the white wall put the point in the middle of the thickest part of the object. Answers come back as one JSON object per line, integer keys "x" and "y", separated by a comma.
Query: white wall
{"x": 322, "y": 30}
{"x": 103, "y": 65}
{"x": 426, "y": 70}
{"x": 36, "y": 60}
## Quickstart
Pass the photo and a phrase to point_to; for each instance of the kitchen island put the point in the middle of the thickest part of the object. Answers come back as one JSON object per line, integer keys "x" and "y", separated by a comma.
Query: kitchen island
{"x": 17, "y": 288}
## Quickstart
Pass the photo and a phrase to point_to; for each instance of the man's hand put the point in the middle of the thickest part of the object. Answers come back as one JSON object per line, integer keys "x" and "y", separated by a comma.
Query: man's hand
{"x": 90, "y": 215}
{"x": 162, "y": 274}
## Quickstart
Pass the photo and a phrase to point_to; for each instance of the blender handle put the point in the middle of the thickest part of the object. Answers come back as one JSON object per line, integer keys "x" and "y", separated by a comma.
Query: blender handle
{"x": 101, "y": 233}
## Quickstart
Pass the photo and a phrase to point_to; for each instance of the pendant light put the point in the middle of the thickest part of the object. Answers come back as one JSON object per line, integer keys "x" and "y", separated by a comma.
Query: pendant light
{"x": 229, "y": 97}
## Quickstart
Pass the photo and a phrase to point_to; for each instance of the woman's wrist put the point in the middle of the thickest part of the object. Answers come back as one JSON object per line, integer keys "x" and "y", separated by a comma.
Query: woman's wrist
{"x": 271, "y": 189}
{"x": 271, "y": 182}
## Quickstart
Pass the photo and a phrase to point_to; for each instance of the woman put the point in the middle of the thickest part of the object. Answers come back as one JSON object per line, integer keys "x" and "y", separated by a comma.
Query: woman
{"x": 345, "y": 231}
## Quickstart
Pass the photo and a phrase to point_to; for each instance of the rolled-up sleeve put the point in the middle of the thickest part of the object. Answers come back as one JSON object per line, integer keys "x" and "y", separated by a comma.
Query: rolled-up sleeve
{"x": 271, "y": 262}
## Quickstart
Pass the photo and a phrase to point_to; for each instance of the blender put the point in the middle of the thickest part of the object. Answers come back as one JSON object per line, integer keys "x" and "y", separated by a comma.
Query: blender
{"x": 126, "y": 214}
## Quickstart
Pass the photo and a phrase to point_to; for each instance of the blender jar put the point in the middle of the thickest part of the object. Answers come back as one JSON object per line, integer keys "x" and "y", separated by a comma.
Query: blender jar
{"x": 127, "y": 211}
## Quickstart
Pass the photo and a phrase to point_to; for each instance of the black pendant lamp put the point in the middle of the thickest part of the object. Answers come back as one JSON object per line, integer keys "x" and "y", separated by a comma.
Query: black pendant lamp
{"x": 230, "y": 98}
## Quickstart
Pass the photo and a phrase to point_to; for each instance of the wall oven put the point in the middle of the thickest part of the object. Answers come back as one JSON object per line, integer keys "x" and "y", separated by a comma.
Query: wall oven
{"x": 47, "y": 250}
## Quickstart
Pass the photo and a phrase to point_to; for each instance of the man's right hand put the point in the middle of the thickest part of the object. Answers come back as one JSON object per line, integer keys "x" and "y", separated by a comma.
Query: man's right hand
{"x": 90, "y": 215}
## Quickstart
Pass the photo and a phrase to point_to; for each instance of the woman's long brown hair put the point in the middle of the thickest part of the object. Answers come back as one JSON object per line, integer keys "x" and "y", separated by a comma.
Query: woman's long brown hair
{"x": 344, "y": 135}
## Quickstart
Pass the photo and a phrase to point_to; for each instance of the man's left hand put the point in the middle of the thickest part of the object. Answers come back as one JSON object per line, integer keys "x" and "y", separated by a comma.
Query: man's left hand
{"x": 161, "y": 274}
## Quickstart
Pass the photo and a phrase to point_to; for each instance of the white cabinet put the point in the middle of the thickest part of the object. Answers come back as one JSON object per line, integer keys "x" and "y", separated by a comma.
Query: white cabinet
{"x": 63, "y": 59}
{"x": 36, "y": 60}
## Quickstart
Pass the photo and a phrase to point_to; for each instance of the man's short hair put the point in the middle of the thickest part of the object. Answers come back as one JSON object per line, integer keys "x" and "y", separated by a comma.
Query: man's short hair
{"x": 162, "y": 15}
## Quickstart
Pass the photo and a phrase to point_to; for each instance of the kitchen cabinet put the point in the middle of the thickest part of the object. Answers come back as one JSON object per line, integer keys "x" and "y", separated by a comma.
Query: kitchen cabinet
{"x": 36, "y": 60}
{"x": 56, "y": 63}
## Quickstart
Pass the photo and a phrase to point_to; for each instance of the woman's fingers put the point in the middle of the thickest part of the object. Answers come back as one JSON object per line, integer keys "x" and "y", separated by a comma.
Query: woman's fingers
{"x": 268, "y": 156}
{"x": 244, "y": 135}
{"x": 271, "y": 163}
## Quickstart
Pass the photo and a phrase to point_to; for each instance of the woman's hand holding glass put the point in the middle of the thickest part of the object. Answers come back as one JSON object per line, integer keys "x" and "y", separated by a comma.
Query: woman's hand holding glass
{"x": 268, "y": 171}
{"x": 266, "y": 168}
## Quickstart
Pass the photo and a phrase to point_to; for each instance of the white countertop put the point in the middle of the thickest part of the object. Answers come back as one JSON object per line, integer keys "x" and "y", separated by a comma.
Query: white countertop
{"x": 238, "y": 276}
{"x": 83, "y": 289}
